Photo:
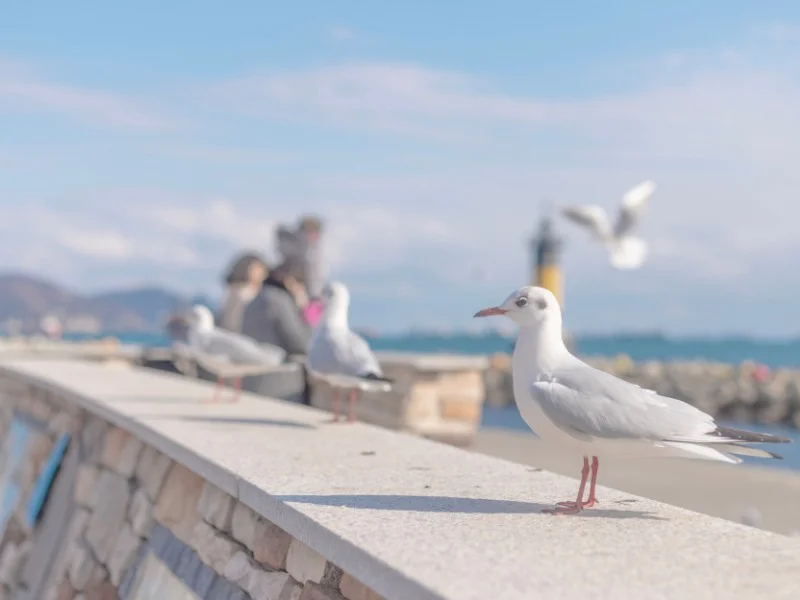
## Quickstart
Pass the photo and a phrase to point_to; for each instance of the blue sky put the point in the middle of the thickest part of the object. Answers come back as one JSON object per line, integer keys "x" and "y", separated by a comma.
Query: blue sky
{"x": 147, "y": 143}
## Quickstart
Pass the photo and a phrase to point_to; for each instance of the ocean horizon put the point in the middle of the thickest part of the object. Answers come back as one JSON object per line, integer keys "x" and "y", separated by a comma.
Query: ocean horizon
{"x": 730, "y": 350}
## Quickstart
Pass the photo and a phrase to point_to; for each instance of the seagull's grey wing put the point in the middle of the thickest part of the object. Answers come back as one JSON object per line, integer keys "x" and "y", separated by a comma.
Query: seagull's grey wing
{"x": 592, "y": 217}
{"x": 589, "y": 403}
{"x": 363, "y": 359}
{"x": 241, "y": 350}
{"x": 633, "y": 205}
{"x": 341, "y": 352}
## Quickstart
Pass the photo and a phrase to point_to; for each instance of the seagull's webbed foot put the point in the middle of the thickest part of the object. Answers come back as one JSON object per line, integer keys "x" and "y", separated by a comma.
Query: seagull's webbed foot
{"x": 565, "y": 508}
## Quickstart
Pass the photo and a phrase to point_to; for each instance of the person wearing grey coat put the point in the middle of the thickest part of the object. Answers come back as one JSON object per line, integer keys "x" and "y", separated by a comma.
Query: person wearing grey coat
{"x": 274, "y": 316}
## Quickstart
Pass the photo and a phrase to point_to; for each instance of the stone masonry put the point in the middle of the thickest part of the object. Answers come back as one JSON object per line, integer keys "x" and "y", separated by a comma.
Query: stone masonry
{"x": 132, "y": 501}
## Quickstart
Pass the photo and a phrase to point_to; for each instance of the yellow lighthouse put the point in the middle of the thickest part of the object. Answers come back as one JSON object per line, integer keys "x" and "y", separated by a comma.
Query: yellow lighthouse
{"x": 545, "y": 257}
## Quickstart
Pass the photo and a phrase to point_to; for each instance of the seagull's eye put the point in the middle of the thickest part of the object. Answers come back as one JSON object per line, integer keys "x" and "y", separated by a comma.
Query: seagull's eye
{"x": 521, "y": 302}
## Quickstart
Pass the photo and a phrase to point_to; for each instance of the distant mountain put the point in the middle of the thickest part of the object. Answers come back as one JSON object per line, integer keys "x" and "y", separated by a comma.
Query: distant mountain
{"x": 25, "y": 299}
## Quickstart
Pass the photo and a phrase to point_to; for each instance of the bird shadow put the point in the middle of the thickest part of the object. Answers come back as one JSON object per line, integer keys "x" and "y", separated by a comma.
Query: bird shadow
{"x": 447, "y": 504}
{"x": 230, "y": 420}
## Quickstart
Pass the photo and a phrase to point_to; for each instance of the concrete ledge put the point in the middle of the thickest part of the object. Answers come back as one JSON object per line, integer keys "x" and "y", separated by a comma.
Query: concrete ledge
{"x": 415, "y": 519}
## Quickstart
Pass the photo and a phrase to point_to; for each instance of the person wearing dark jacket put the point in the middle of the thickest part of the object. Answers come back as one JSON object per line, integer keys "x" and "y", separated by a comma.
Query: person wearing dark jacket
{"x": 275, "y": 315}
{"x": 243, "y": 281}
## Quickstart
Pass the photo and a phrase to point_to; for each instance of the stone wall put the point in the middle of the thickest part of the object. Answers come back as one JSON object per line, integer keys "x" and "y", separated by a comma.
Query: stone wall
{"x": 746, "y": 392}
{"x": 121, "y": 517}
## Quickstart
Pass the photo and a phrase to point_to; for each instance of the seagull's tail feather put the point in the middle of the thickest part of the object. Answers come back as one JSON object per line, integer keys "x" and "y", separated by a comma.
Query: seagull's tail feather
{"x": 376, "y": 377}
{"x": 746, "y": 451}
{"x": 628, "y": 253}
{"x": 702, "y": 452}
{"x": 740, "y": 435}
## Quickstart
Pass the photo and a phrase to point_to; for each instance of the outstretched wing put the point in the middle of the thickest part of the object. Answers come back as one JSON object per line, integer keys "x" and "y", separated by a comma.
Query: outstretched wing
{"x": 632, "y": 207}
{"x": 592, "y": 217}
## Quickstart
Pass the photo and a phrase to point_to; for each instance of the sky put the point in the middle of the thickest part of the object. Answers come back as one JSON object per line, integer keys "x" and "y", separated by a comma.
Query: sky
{"x": 148, "y": 142}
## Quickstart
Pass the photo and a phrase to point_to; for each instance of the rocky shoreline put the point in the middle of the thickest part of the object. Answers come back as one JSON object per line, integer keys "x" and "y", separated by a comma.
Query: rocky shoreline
{"x": 747, "y": 392}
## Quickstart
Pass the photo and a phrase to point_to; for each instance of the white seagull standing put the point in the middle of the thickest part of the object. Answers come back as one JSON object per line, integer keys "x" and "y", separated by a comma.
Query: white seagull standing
{"x": 626, "y": 250}
{"x": 225, "y": 353}
{"x": 594, "y": 414}
{"x": 340, "y": 356}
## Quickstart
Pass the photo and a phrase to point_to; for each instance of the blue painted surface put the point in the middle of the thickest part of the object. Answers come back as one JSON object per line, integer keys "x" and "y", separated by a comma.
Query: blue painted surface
{"x": 42, "y": 488}
{"x": 15, "y": 449}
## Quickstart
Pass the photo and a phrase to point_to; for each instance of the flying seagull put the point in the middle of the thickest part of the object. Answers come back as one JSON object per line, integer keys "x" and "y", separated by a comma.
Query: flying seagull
{"x": 227, "y": 354}
{"x": 626, "y": 251}
{"x": 341, "y": 356}
{"x": 594, "y": 414}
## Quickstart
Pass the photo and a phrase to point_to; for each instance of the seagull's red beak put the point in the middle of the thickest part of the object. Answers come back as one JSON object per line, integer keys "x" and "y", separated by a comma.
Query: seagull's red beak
{"x": 489, "y": 312}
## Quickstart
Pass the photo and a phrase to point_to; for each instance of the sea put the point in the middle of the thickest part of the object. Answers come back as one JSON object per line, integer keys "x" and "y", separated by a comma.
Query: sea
{"x": 731, "y": 350}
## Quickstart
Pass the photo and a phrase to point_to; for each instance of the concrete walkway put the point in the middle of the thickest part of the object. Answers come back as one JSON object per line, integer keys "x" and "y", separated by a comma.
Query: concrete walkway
{"x": 725, "y": 491}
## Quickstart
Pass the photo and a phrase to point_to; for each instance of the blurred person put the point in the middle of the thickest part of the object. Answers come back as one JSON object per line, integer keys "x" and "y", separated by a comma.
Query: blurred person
{"x": 243, "y": 280}
{"x": 304, "y": 244}
{"x": 274, "y": 316}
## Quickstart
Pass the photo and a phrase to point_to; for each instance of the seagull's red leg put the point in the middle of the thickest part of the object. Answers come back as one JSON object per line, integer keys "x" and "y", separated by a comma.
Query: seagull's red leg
{"x": 237, "y": 388}
{"x": 351, "y": 409}
{"x": 569, "y": 507}
{"x": 592, "y": 498}
{"x": 218, "y": 389}
{"x": 335, "y": 403}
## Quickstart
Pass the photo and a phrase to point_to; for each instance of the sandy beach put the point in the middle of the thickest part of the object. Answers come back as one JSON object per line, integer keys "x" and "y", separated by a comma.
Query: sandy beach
{"x": 726, "y": 491}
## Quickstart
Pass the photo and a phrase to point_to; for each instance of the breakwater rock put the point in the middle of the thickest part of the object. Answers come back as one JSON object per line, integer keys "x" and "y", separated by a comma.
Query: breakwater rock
{"x": 747, "y": 392}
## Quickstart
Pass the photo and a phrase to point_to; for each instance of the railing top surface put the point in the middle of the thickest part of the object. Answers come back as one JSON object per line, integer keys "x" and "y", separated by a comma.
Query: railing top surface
{"x": 415, "y": 519}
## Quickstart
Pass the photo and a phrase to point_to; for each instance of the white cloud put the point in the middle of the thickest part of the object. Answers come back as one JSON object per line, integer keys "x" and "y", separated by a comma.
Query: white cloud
{"x": 23, "y": 90}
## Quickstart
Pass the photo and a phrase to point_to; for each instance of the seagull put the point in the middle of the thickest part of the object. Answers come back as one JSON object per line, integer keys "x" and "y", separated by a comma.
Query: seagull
{"x": 594, "y": 414}
{"x": 626, "y": 250}
{"x": 225, "y": 353}
{"x": 339, "y": 355}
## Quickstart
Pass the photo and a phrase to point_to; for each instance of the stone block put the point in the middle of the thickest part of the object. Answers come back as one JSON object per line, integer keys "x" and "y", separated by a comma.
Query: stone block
{"x": 352, "y": 589}
{"x": 216, "y": 507}
{"x": 176, "y": 508}
{"x": 11, "y": 561}
{"x": 272, "y": 585}
{"x": 101, "y": 591}
{"x": 123, "y": 554}
{"x": 244, "y": 523}
{"x": 92, "y": 434}
{"x": 109, "y": 503}
{"x": 314, "y": 591}
{"x": 305, "y": 564}
{"x": 271, "y": 544}
{"x": 213, "y": 547}
{"x": 84, "y": 483}
{"x": 151, "y": 471}
{"x": 332, "y": 577}
{"x": 120, "y": 451}
{"x": 62, "y": 423}
{"x": 62, "y": 591}
{"x": 77, "y": 524}
{"x": 460, "y": 408}
{"x": 140, "y": 513}
{"x": 423, "y": 402}
{"x": 81, "y": 565}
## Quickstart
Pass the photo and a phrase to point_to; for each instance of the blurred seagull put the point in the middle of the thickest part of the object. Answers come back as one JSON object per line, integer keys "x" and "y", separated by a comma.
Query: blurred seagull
{"x": 626, "y": 250}
{"x": 341, "y": 356}
{"x": 227, "y": 354}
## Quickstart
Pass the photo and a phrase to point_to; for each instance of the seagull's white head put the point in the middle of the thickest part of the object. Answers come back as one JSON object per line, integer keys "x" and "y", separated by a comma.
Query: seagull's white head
{"x": 201, "y": 318}
{"x": 336, "y": 298}
{"x": 529, "y": 306}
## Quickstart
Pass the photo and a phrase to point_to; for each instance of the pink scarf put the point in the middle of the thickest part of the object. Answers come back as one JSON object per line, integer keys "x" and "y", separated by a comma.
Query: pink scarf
{"x": 312, "y": 313}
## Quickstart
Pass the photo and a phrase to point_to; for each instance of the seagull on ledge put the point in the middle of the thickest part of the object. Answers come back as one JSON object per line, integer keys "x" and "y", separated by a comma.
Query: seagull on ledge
{"x": 341, "y": 356}
{"x": 227, "y": 354}
{"x": 596, "y": 415}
